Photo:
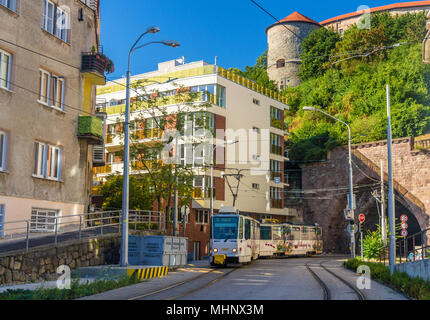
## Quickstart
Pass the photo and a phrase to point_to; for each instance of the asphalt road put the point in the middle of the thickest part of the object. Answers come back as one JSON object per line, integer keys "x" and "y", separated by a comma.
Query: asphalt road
{"x": 269, "y": 279}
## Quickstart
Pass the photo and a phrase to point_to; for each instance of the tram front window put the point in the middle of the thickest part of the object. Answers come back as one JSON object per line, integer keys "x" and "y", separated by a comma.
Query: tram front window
{"x": 225, "y": 227}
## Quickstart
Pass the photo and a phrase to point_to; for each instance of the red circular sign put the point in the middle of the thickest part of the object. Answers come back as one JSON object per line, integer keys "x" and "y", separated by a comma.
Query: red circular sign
{"x": 404, "y": 225}
{"x": 404, "y": 218}
{"x": 361, "y": 217}
{"x": 404, "y": 233}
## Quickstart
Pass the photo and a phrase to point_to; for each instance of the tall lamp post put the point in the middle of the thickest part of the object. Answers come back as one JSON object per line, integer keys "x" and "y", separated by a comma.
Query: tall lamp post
{"x": 125, "y": 195}
{"x": 351, "y": 188}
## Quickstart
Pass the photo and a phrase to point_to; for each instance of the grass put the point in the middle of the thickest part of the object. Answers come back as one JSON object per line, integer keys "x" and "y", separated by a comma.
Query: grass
{"x": 77, "y": 290}
{"x": 416, "y": 288}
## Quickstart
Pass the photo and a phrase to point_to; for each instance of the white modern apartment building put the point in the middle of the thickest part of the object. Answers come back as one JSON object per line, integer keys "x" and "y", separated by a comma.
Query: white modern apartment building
{"x": 240, "y": 110}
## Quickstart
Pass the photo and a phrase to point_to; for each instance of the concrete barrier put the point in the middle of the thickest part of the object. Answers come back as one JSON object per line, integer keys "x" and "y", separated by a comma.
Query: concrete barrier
{"x": 415, "y": 269}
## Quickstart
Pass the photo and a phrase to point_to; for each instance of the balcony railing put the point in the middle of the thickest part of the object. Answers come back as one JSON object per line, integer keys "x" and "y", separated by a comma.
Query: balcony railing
{"x": 275, "y": 175}
{"x": 276, "y": 149}
{"x": 143, "y": 134}
{"x": 276, "y": 123}
{"x": 103, "y": 170}
{"x": 276, "y": 203}
{"x": 90, "y": 128}
{"x": 93, "y": 63}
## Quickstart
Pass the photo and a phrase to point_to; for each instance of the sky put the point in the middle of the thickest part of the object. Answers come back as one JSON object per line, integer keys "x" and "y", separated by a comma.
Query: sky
{"x": 232, "y": 30}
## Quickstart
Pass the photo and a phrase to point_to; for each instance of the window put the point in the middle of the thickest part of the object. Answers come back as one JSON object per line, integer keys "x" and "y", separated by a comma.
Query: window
{"x": 266, "y": 233}
{"x": 5, "y": 67}
{"x": 275, "y": 198}
{"x": 276, "y": 118}
{"x": 51, "y": 90}
{"x": 202, "y": 216}
{"x": 275, "y": 169}
{"x": 247, "y": 229}
{"x": 241, "y": 228}
{"x": 3, "y": 150}
{"x": 48, "y": 160}
{"x": 10, "y": 4}
{"x": 202, "y": 188}
{"x": 43, "y": 220}
{"x": 220, "y": 96}
{"x": 225, "y": 227}
{"x": 275, "y": 144}
{"x": 56, "y": 20}
{"x": 280, "y": 63}
{"x": 255, "y": 186}
{"x": 196, "y": 155}
{"x": 256, "y": 102}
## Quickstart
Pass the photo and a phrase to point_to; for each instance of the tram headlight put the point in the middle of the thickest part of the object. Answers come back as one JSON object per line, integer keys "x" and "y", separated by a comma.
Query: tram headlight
{"x": 215, "y": 250}
{"x": 234, "y": 250}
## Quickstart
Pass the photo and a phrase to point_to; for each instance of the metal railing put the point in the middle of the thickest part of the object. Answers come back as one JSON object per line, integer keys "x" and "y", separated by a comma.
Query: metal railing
{"x": 412, "y": 248}
{"x": 23, "y": 234}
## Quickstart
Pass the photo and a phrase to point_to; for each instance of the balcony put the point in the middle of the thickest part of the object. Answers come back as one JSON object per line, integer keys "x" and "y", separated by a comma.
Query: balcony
{"x": 96, "y": 64}
{"x": 143, "y": 134}
{"x": 275, "y": 175}
{"x": 276, "y": 150}
{"x": 103, "y": 170}
{"x": 91, "y": 129}
{"x": 200, "y": 193}
{"x": 276, "y": 123}
{"x": 276, "y": 204}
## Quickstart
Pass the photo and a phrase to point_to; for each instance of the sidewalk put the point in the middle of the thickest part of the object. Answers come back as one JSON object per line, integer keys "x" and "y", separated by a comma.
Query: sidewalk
{"x": 193, "y": 265}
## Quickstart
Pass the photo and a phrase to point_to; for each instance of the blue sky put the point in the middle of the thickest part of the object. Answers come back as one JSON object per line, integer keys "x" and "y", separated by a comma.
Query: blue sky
{"x": 232, "y": 30}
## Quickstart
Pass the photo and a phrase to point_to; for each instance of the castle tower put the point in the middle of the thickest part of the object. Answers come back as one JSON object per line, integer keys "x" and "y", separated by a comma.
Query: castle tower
{"x": 284, "y": 40}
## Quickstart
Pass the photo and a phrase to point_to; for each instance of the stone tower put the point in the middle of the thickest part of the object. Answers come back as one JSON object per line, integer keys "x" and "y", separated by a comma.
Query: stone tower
{"x": 284, "y": 40}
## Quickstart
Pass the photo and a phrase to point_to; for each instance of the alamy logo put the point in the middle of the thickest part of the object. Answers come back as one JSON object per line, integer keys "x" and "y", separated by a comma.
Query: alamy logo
{"x": 364, "y": 22}
{"x": 64, "y": 280}
{"x": 364, "y": 281}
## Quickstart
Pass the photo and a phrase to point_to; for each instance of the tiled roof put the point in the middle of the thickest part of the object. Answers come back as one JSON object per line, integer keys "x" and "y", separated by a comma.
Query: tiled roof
{"x": 295, "y": 17}
{"x": 379, "y": 9}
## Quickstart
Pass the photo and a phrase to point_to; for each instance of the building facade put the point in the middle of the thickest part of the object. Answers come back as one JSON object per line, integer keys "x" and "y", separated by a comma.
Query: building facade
{"x": 238, "y": 110}
{"x": 49, "y": 74}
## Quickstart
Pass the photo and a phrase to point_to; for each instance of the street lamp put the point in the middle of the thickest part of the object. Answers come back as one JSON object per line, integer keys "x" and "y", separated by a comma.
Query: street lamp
{"x": 351, "y": 188}
{"x": 125, "y": 200}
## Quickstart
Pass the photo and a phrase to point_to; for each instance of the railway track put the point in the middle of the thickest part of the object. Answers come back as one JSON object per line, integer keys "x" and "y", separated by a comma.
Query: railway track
{"x": 182, "y": 283}
{"x": 326, "y": 291}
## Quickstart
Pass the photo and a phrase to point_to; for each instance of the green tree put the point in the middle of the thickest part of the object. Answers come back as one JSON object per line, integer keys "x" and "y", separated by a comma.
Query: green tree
{"x": 140, "y": 195}
{"x": 316, "y": 49}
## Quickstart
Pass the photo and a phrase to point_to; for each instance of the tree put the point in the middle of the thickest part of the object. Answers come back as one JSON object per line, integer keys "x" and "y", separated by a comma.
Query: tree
{"x": 316, "y": 49}
{"x": 258, "y": 73}
{"x": 140, "y": 195}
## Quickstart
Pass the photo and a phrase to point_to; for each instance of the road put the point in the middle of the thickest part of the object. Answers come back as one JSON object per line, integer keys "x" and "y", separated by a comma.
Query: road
{"x": 269, "y": 279}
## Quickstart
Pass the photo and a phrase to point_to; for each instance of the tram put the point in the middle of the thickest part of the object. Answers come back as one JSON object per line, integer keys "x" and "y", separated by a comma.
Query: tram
{"x": 237, "y": 238}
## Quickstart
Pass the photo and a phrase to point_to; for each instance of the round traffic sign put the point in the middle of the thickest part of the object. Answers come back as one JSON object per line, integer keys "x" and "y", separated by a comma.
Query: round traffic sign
{"x": 404, "y": 218}
{"x": 361, "y": 217}
{"x": 404, "y": 233}
{"x": 404, "y": 225}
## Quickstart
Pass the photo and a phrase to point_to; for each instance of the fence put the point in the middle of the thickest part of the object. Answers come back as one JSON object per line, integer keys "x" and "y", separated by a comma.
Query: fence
{"x": 53, "y": 229}
{"x": 412, "y": 248}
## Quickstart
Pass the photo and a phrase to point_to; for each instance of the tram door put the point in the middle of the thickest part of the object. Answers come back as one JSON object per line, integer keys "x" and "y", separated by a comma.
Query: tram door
{"x": 196, "y": 250}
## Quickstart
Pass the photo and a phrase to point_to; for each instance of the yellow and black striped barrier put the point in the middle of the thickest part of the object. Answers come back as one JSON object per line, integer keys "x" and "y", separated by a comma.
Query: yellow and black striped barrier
{"x": 148, "y": 273}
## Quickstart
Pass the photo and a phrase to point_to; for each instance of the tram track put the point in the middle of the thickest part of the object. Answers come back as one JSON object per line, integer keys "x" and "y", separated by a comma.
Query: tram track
{"x": 185, "y": 282}
{"x": 323, "y": 284}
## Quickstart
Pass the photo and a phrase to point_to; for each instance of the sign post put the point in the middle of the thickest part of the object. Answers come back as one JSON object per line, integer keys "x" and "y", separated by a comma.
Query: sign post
{"x": 361, "y": 218}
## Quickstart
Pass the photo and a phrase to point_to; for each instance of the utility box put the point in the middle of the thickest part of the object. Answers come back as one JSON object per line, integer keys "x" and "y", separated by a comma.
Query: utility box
{"x": 157, "y": 250}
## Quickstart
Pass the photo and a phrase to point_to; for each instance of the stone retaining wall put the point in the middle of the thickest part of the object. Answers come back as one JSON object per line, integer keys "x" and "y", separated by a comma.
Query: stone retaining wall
{"x": 40, "y": 264}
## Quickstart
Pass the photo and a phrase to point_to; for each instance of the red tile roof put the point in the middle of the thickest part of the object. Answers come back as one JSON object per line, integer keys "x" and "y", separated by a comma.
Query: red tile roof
{"x": 379, "y": 9}
{"x": 295, "y": 17}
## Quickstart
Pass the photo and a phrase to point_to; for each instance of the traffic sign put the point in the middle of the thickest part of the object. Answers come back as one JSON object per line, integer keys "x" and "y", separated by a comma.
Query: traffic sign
{"x": 404, "y": 225}
{"x": 404, "y": 233}
{"x": 277, "y": 180}
{"x": 404, "y": 218}
{"x": 361, "y": 218}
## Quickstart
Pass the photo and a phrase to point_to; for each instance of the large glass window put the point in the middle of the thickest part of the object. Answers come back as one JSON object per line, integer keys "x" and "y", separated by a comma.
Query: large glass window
{"x": 266, "y": 233}
{"x": 56, "y": 20}
{"x": 275, "y": 169}
{"x": 225, "y": 227}
{"x": 276, "y": 118}
{"x": 10, "y": 4}
{"x": 43, "y": 220}
{"x": 51, "y": 89}
{"x": 5, "y": 67}
{"x": 221, "y": 96}
{"x": 275, "y": 144}
{"x": 48, "y": 161}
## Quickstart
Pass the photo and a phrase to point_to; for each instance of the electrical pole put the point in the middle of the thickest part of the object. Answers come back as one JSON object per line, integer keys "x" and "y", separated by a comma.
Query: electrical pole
{"x": 383, "y": 206}
{"x": 391, "y": 206}
{"x": 175, "y": 213}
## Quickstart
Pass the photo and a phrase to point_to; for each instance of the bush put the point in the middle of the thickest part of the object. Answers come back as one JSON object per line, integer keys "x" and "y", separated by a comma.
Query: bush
{"x": 415, "y": 288}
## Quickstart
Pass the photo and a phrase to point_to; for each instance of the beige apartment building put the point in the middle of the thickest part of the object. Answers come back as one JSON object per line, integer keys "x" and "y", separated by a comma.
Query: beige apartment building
{"x": 50, "y": 66}
{"x": 240, "y": 110}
